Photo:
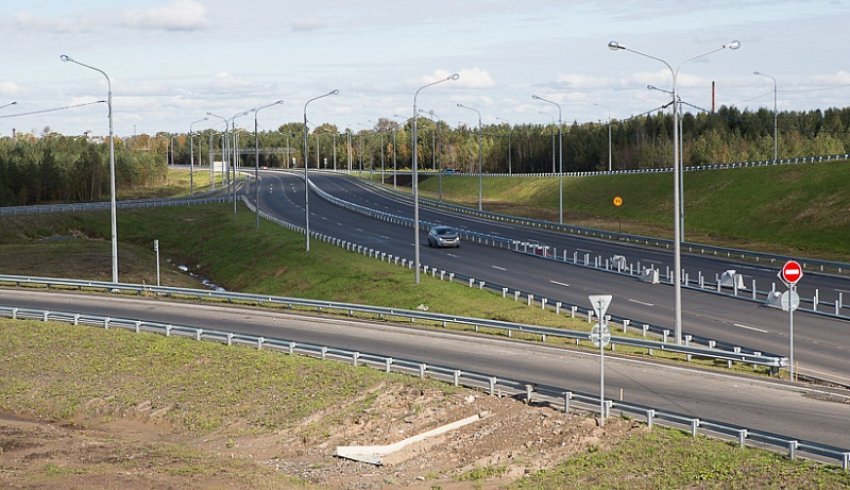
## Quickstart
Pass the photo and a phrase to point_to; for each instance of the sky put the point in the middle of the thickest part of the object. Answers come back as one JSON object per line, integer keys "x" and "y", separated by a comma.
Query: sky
{"x": 172, "y": 61}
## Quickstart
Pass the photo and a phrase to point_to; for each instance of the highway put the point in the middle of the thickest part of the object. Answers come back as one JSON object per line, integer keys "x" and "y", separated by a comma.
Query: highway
{"x": 821, "y": 344}
{"x": 772, "y": 406}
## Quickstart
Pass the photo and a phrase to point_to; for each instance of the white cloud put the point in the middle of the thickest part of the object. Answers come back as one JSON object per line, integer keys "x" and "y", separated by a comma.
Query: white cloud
{"x": 840, "y": 77}
{"x": 226, "y": 81}
{"x": 28, "y": 21}
{"x": 179, "y": 15}
{"x": 577, "y": 80}
{"x": 9, "y": 88}
{"x": 469, "y": 78}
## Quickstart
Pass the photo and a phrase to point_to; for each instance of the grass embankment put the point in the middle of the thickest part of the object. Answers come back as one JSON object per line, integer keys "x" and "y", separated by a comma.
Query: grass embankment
{"x": 234, "y": 254}
{"x": 668, "y": 458}
{"x": 177, "y": 183}
{"x": 206, "y": 398}
{"x": 792, "y": 209}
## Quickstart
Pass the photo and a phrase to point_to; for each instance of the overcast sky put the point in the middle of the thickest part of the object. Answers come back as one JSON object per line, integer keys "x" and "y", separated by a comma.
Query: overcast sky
{"x": 171, "y": 61}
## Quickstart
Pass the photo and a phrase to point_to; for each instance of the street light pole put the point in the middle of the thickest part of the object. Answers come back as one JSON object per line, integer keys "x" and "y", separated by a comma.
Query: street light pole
{"x": 510, "y": 134}
{"x": 306, "y": 173}
{"x": 224, "y": 153}
{"x": 775, "y": 116}
{"x": 257, "y": 161}
{"x": 235, "y": 137}
{"x": 192, "y": 156}
{"x": 677, "y": 238}
{"x": 480, "y": 161}
{"x": 112, "y": 205}
{"x": 453, "y": 76}
{"x": 560, "y": 158}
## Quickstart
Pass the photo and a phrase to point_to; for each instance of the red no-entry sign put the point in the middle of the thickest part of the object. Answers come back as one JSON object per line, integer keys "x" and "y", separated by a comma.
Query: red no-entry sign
{"x": 791, "y": 272}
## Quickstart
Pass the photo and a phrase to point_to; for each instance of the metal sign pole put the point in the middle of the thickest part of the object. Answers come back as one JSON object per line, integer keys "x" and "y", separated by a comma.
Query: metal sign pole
{"x": 156, "y": 249}
{"x": 602, "y": 372}
{"x": 792, "y": 289}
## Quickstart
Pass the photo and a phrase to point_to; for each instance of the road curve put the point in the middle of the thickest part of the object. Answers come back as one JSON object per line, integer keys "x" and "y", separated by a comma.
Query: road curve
{"x": 755, "y": 403}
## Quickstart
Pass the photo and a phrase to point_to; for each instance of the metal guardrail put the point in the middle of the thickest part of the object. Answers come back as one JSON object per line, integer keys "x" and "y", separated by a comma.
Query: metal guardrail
{"x": 508, "y": 328}
{"x": 691, "y": 168}
{"x": 808, "y": 264}
{"x": 104, "y": 205}
{"x": 492, "y": 384}
{"x": 498, "y": 288}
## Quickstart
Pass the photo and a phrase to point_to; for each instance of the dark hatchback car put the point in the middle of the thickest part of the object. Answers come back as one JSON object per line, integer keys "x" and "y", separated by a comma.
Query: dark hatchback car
{"x": 443, "y": 236}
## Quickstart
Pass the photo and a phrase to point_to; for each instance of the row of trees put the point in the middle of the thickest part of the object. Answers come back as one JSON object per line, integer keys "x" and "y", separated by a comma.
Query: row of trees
{"x": 56, "y": 168}
{"x": 644, "y": 141}
{"x": 53, "y": 167}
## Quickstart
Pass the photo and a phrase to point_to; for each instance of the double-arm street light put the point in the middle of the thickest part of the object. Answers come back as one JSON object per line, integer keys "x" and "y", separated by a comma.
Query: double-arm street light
{"x": 434, "y": 117}
{"x": 224, "y": 152}
{"x": 112, "y": 205}
{"x": 192, "y": 156}
{"x": 560, "y": 158}
{"x": 480, "y": 158}
{"x": 306, "y": 173}
{"x": 257, "y": 161}
{"x": 510, "y": 134}
{"x": 453, "y": 76}
{"x": 775, "y": 115}
{"x": 677, "y": 245}
{"x": 235, "y": 138}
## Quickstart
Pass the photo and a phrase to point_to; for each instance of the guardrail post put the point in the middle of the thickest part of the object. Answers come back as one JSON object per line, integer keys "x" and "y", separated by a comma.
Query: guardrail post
{"x": 694, "y": 427}
{"x": 516, "y": 295}
{"x": 493, "y": 386}
{"x": 645, "y": 329}
{"x": 198, "y": 333}
{"x": 543, "y": 302}
{"x": 589, "y": 316}
{"x": 481, "y": 284}
{"x": 792, "y": 449}
{"x": 742, "y": 437}
{"x": 626, "y": 325}
{"x": 756, "y": 354}
{"x": 573, "y": 310}
{"x": 451, "y": 276}
{"x": 457, "y": 378}
{"x": 529, "y": 389}
{"x": 471, "y": 281}
{"x": 168, "y": 330}
{"x": 845, "y": 462}
{"x": 76, "y": 319}
{"x": 504, "y": 292}
{"x": 44, "y": 315}
{"x": 687, "y": 344}
{"x": 260, "y": 342}
{"x": 650, "y": 417}
{"x": 530, "y": 299}
{"x": 422, "y": 368}
{"x": 666, "y": 334}
{"x": 355, "y": 358}
{"x": 567, "y": 397}
{"x": 700, "y": 279}
{"x": 14, "y": 313}
{"x": 324, "y": 353}
{"x": 557, "y": 307}
{"x": 755, "y": 291}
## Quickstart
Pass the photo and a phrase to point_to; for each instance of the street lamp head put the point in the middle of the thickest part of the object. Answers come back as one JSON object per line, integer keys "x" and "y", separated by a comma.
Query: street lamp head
{"x": 453, "y": 76}
{"x": 334, "y": 92}
{"x": 756, "y": 73}
{"x": 535, "y": 97}
{"x": 733, "y": 45}
{"x": 64, "y": 57}
{"x": 614, "y": 46}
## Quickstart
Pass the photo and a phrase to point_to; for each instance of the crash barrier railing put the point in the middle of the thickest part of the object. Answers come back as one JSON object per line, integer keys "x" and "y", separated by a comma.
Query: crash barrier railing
{"x": 104, "y": 205}
{"x": 808, "y": 264}
{"x": 494, "y": 385}
{"x": 730, "y": 283}
{"x": 528, "y": 297}
{"x": 510, "y": 329}
{"x": 691, "y": 168}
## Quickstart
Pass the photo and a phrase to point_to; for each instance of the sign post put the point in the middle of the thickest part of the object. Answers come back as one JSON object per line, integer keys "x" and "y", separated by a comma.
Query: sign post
{"x": 601, "y": 336}
{"x": 156, "y": 249}
{"x": 790, "y": 274}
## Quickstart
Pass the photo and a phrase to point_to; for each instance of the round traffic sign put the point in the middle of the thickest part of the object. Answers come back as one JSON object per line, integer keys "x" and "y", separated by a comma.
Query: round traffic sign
{"x": 791, "y": 272}
{"x": 600, "y": 334}
{"x": 618, "y": 201}
{"x": 789, "y": 300}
